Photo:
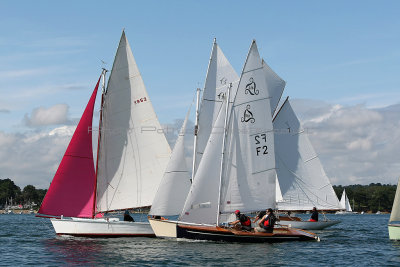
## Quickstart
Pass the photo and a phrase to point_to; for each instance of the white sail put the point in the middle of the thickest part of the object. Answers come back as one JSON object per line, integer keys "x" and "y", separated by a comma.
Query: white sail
{"x": 344, "y": 202}
{"x": 133, "y": 152}
{"x": 395, "y": 214}
{"x": 248, "y": 179}
{"x": 202, "y": 201}
{"x": 275, "y": 86}
{"x": 219, "y": 76}
{"x": 175, "y": 185}
{"x": 302, "y": 179}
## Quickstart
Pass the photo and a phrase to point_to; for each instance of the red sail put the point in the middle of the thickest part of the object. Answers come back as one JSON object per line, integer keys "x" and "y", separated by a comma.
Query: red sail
{"x": 71, "y": 192}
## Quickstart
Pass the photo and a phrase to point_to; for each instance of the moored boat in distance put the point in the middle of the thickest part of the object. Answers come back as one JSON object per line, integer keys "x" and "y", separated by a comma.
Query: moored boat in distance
{"x": 131, "y": 159}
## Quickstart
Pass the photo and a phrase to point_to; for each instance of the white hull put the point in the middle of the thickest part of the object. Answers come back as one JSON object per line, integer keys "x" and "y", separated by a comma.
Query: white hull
{"x": 394, "y": 231}
{"x": 100, "y": 227}
{"x": 307, "y": 225}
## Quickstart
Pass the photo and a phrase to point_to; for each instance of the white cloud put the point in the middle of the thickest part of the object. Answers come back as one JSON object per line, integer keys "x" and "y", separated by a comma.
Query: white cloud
{"x": 57, "y": 114}
{"x": 356, "y": 144}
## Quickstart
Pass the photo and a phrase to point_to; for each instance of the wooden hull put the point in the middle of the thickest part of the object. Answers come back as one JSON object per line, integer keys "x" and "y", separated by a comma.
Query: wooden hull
{"x": 307, "y": 225}
{"x": 171, "y": 229}
{"x": 394, "y": 231}
{"x": 101, "y": 227}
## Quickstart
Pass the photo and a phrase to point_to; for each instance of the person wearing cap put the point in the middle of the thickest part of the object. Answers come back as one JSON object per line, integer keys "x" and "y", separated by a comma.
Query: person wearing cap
{"x": 267, "y": 223}
{"x": 244, "y": 221}
{"x": 314, "y": 215}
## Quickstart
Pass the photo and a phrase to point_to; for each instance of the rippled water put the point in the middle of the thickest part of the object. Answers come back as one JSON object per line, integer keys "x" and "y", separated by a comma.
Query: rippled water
{"x": 358, "y": 240}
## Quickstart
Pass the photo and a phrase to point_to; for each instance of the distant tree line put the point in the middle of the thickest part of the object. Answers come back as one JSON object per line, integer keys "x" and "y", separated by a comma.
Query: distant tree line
{"x": 9, "y": 191}
{"x": 372, "y": 197}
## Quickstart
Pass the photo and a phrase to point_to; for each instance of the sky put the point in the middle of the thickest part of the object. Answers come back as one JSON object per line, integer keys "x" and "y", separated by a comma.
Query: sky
{"x": 340, "y": 59}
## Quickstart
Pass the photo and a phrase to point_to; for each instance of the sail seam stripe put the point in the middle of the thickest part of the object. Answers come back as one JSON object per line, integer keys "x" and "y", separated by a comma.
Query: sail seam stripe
{"x": 264, "y": 171}
{"x": 260, "y": 68}
{"x": 212, "y": 100}
{"x": 78, "y": 157}
{"x": 264, "y": 98}
{"x": 311, "y": 159}
{"x": 176, "y": 171}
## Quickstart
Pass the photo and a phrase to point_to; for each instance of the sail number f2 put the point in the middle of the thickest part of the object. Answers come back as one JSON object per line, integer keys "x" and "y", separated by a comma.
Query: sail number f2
{"x": 261, "y": 140}
{"x": 140, "y": 100}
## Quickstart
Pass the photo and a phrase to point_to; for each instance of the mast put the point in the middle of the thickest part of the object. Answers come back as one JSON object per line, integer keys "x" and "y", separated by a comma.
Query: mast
{"x": 223, "y": 150}
{"x": 196, "y": 129}
{"x": 103, "y": 90}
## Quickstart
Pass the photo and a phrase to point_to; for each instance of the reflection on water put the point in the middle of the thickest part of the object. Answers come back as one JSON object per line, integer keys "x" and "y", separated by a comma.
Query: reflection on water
{"x": 358, "y": 240}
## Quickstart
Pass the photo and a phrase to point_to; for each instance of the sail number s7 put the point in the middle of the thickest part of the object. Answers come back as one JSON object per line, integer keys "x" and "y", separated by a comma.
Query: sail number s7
{"x": 261, "y": 144}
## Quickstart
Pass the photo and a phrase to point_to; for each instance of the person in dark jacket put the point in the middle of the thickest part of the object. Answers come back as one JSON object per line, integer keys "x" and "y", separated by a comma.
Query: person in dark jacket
{"x": 243, "y": 220}
{"x": 314, "y": 215}
{"x": 267, "y": 223}
{"x": 128, "y": 217}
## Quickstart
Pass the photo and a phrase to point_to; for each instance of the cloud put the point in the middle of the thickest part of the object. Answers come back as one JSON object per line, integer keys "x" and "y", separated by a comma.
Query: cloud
{"x": 3, "y": 110}
{"x": 356, "y": 144}
{"x": 31, "y": 158}
{"x": 57, "y": 114}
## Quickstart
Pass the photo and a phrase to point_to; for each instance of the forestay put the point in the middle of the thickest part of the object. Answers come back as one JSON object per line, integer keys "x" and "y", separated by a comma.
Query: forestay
{"x": 175, "y": 184}
{"x": 133, "y": 152}
{"x": 248, "y": 178}
{"x": 301, "y": 177}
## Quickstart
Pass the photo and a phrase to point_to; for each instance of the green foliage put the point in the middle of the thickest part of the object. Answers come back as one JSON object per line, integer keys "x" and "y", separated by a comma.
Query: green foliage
{"x": 372, "y": 197}
{"x": 28, "y": 195}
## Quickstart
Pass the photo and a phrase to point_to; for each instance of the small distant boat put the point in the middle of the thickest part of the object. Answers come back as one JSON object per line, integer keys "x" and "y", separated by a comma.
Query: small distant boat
{"x": 132, "y": 156}
{"x": 345, "y": 205}
{"x": 394, "y": 221}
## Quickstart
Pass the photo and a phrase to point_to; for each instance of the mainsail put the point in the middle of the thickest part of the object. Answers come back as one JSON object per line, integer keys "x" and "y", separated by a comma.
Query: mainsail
{"x": 395, "y": 214}
{"x": 220, "y": 75}
{"x": 301, "y": 177}
{"x": 133, "y": 152}
{"x": 175, "y": 184}
{"x": 248, "y": 178}
{"x": 71, "y": 192}
{"x": 344, "y": 202}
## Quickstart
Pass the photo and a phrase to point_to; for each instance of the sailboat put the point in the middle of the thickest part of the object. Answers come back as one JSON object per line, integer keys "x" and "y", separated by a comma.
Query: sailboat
{"x": 394, "y": 221}
{"x": 301, "y": 179}
{"x": 131, "y": 159}
{"x": 345, "y": 204}
{"x": 237, "y": 169}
